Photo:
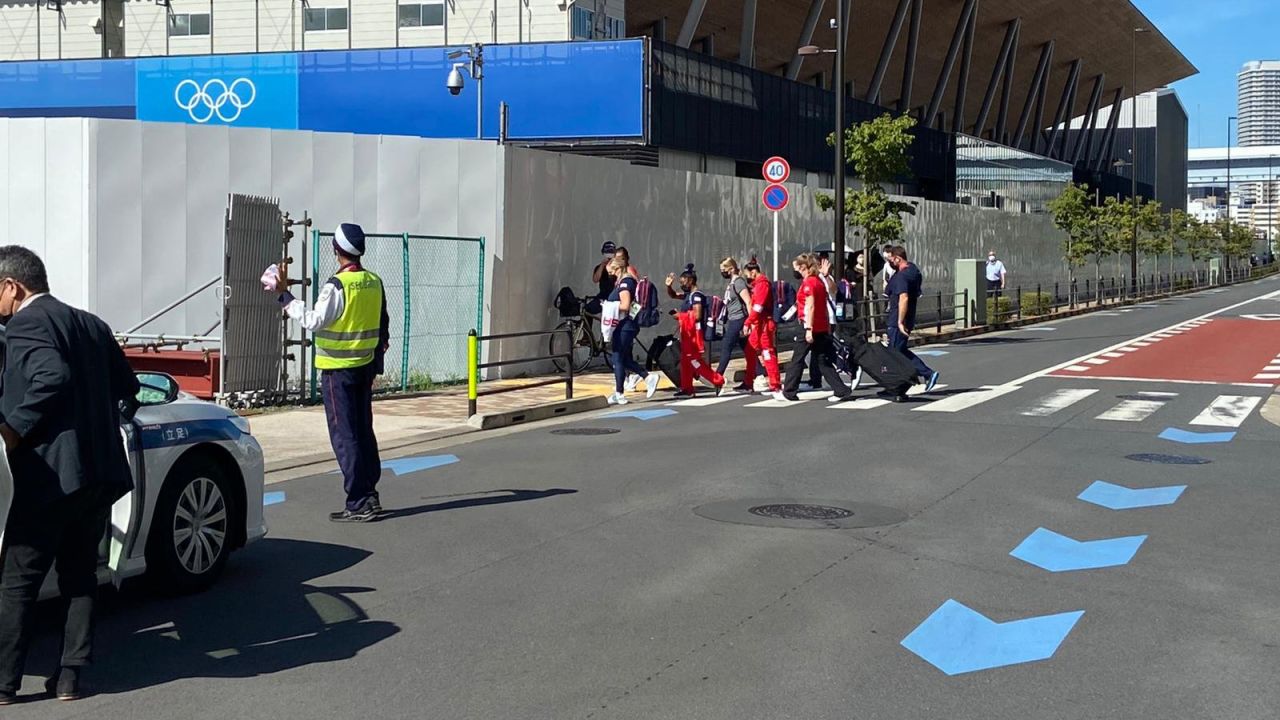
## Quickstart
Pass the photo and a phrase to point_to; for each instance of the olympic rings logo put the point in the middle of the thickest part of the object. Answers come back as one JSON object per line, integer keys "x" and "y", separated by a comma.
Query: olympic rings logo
{"x": 215, "y": 99}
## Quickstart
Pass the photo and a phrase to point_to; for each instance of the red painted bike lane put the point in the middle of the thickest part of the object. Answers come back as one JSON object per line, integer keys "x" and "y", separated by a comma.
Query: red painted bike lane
{"x": 1236, "y": 350}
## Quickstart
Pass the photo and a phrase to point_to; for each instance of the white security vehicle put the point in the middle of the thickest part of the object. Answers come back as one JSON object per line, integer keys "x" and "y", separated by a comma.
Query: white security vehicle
{"x": 197, "y": 475}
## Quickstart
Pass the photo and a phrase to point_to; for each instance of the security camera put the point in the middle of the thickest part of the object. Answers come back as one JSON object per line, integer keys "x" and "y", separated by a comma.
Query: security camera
{"x": 455, "y": 81}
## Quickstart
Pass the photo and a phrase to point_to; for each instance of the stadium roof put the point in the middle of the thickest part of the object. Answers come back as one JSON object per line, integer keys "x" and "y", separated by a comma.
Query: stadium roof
{"x": 1099, "y": 34}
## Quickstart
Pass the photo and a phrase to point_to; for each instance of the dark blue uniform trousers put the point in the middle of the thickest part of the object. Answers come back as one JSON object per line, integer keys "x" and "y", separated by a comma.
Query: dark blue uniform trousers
{"x": 348, "y": 406}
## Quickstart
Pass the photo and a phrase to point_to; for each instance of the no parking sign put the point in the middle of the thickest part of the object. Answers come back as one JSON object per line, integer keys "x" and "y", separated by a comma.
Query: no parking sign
{"x": 776, "y": 197}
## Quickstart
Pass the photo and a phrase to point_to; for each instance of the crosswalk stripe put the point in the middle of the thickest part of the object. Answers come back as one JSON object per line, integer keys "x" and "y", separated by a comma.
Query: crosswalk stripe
{"x": 1113, "y": 355}
{"x": 1058, "y": 400}
{"x": 1132, "y": 410}
{"x": 1097, "y": 361}
{"x": 869, "y": 403}
{"x": 771, "y": 403}
{"x": 1267, "y": 376}
{"x": 704, "y": 402}
{"x": 1227, "y": 411}
{"x": 1077, "y": 368}
{"x": 919, "y": 389}
{"x": 956, "y": 403}
{"x": 1127, "y": 349}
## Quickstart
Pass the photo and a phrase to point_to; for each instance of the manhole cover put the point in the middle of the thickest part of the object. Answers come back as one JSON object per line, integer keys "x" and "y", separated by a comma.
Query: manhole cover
{"x": 793, "y": 511}
{"x": 586, "y": 431}
{"x": 1168, "y": 459}
{"x": 801, "y": 513}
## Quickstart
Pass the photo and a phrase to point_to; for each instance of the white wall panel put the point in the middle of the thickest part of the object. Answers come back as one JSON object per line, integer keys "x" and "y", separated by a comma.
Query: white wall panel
{"x": 292, "y": 171}
{"x": 28, "y": 172}
{"x": 364, "y": 176}
{"x": 64, "y": 238}
{"x": 207, "y": 183}
{"x": 120, "y": 269}
{"x": 249, "y": 161}
{"x": 438, "y": 213}
{"x": 164, "y": 217}
{"x": 334, "y": 169}
{"x": 398, "y": 161}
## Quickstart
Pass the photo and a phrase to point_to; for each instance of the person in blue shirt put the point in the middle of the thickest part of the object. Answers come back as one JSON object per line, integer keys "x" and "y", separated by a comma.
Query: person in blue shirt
{"x": 904, "y": 293}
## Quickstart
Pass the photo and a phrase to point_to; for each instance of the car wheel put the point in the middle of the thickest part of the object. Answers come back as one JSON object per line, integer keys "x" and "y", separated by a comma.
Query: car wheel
{"x": 190, "y": 535}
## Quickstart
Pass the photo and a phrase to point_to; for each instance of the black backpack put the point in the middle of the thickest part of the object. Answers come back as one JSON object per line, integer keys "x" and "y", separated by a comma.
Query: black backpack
{"x": 567, "y": 303}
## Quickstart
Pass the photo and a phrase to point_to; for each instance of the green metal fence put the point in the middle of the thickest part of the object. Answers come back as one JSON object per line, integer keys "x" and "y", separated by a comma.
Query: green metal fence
{"x": 435, "y": 295}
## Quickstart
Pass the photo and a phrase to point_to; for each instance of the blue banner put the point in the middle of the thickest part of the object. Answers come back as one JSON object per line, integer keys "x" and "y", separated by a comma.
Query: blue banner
{"x": 553, "y": 90}
{"x": 242, "y": 90}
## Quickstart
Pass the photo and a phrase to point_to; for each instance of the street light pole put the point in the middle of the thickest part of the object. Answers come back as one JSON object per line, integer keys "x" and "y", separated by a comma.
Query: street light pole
{"x": 1133, "y": 169}
{"x": 838, "y": 246}
{"x": 1230, "y": 120}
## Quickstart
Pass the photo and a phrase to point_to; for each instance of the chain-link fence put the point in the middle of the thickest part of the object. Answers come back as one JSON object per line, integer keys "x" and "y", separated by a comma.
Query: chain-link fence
{"x": 435, "y": 290}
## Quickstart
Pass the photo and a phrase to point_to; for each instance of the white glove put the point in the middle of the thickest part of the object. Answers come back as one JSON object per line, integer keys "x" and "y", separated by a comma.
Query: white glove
{"x": 271, "y": 279}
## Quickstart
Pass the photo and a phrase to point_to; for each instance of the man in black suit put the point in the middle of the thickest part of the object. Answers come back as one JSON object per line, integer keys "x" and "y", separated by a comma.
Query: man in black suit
{"x": 66, "y": 384}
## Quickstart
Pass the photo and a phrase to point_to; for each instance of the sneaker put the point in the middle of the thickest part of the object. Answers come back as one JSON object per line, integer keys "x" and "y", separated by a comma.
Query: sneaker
{"x": 613, "y": 398}
{"x": 651, "y": 384}
{"x": 744, "y": 388}
{"x": 620, "y": 399}
{"x": 856, "y": 382}
{"x": 684, "y": 394}
{"x": 8, "y": 698}
{"x": 933, "y": 382}
{"x": 632, "y": 381}
{"x": 719, "y": 389}
{"x": 781, "y": 396}
{"x": 363, "y": 515}
{"x": 375, "y": 504}
{"x": 839, "y": 398}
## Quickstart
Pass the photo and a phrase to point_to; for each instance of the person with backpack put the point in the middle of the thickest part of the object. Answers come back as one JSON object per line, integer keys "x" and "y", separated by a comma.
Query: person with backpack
{"x": 761, "y": 330}
{"x": 691, "y": 318}
{"x": 813, "y": 307}
{"x": 624, "y": 335}
{"x": 737, "y": 298}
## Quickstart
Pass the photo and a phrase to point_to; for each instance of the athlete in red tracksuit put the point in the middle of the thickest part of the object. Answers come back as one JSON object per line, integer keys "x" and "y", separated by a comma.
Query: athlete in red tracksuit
{"x": 692, "y": 315}
{"x": 761, "y": 329}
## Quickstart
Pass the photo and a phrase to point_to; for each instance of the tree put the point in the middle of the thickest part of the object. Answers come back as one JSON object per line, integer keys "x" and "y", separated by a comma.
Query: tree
{"x": 1115, "y": 224}
{"x": 1151, "y": 240}
{"x": 878, "y": 151}
{"x": 1238, "y": 241}
{"x": 1073, "y": 215}
{"x": 1203, "y": 242}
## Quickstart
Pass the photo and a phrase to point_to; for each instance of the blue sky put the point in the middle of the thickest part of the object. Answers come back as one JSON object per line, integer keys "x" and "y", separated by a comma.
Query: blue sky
{"x": 1218, "y": 37}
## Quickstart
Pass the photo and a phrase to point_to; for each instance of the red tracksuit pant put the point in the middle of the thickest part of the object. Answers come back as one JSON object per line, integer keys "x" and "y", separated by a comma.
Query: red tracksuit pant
{"x": 693, "y": 362}
{"x": 762, "y": 348}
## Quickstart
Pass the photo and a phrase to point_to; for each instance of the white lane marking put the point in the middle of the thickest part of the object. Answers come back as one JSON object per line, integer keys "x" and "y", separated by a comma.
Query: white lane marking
{"x": 1227, "y": 411}
{"x": 1106, "y": 314}
{"x": 1097, "y": 361}
{"x": 1142, "y": 344}
{"x": 1078, "y": 368}
{"x": 1129, "y": 349}
{"x": 1267, "y": 376}
{"x": 1038, "y": 329}
{"x": 1157, "y": 394}
{"x": 919, "y": 389}
{"x": 704, "y": 402}
{"x": 1113, "y": 355}
{"x": 1163, "y": 381}
{"x": 1127, "y": 310}
{"x": 1058, "y": 400}
{"x": 1271, "y": 368}
{"x": 1206, "y": 317}
{"x": 956, "y": 403}
{"x": 771, "y": 403}
{"x": 1132, "y": 410}
{"x": 814, "y": 394}
{"x": 861, "y": 404}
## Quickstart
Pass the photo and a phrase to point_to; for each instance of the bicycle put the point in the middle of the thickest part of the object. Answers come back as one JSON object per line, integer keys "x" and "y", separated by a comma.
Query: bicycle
{"x": 579, "y": 324}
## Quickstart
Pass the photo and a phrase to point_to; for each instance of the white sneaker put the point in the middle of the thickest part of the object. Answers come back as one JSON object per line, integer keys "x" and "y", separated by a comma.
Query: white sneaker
{"x": 620, "y": 399}
{"x": 857, "y": 379}
{"x": 651, "y": 384}
{"x": 612, "y": 399}
{"x": 779, "y": 396}
{"x": 632, "y": 381}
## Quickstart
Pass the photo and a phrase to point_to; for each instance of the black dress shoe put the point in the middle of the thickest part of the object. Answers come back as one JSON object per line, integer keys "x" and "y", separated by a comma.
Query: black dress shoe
{"x": 8, "y": 698}
{"x": 65, "y": 685}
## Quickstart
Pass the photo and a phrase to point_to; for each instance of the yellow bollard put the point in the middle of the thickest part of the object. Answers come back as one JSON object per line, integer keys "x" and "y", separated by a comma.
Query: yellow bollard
{"x": 473, "y": 371}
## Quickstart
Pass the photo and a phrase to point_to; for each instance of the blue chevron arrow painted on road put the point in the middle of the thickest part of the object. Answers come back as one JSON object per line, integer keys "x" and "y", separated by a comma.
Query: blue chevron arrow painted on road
{"x": 1188, "y": 437}
{"x": 645, "y": 415}
{"x": 957, "y": 640}
{"x": 404, "y": 466}
{"x": 1118, "y": 497}
{"x": 1058, "y": 553}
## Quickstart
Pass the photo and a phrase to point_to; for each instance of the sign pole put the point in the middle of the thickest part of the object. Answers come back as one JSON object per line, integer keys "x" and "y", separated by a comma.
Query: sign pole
{"x": 775, "y": 245}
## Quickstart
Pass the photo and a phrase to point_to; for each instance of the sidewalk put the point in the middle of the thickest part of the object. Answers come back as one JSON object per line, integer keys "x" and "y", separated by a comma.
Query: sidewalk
{"x": 296, "y": 437}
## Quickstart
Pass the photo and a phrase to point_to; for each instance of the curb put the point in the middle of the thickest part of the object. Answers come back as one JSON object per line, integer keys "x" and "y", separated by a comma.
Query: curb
{"x": 545, "y": 411}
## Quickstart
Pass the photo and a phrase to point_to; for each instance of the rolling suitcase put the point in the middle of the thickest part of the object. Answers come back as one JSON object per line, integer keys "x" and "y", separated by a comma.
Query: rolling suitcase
{"x": 888, "y": 367}
{"x": 664, "y": 355}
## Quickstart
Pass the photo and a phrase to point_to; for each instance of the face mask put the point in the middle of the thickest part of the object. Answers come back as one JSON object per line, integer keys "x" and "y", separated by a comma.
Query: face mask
{"x": 724, "y": 275}
{"x": 684, "y": 287}
{"x": 991, "y": 258}
{"x": 798, "y": 275}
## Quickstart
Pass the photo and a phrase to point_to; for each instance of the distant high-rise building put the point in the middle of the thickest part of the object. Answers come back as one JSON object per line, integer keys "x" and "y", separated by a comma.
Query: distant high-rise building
{"x": 1259, "y": 103}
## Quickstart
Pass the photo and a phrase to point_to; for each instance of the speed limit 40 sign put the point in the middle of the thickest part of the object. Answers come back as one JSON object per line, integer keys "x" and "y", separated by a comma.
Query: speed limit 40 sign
{"x": 776, "y": 170}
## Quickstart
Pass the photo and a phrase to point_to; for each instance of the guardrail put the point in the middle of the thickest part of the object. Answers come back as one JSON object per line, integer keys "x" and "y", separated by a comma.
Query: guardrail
{"x": 474, "y": 366}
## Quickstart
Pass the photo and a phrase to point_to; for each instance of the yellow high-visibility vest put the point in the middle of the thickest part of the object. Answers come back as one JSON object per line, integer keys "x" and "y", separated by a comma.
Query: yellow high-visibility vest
{"x": 352, "y": 339}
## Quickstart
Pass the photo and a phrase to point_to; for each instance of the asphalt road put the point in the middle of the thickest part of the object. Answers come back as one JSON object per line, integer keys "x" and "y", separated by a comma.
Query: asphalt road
{"x": 620, "y": 575}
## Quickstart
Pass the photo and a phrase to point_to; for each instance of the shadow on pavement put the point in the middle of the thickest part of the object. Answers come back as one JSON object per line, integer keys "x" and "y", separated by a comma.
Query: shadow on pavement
{"x": 510, "y": 497}
{"x": 262, "y": 617}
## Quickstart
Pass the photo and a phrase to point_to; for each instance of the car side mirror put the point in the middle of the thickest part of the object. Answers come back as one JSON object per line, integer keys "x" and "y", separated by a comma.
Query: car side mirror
{"x": 156, "y": 388}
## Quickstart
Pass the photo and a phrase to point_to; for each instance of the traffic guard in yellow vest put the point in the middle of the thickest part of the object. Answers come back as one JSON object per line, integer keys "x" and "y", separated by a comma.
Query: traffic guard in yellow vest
{"x": 350, "y": 325}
